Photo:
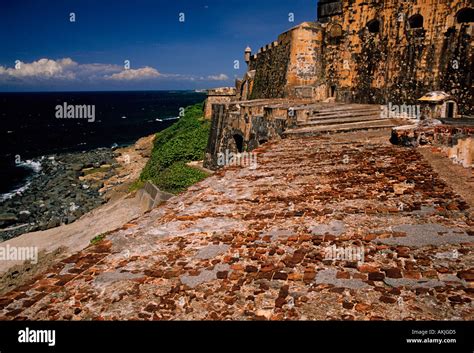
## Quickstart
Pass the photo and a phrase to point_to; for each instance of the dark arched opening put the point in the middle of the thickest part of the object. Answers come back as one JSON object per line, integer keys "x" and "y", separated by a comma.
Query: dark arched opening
{"x": 239, "y": 143}
{"x": 465, "y": 15}
{"x": 415, "y": 21}
{"x": 262, "y": 141}
{"x": 373, "y": 26}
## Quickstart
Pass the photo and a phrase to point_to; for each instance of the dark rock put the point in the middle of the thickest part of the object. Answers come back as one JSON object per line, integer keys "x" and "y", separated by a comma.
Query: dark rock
{"x": 309, "y": 276}
{"x": 222, "y": 274}
{"x": 467, "y": 275}
{"x": 376, "y": 276}
{"x": 347, "y": 305}
{"x": 250, "y": 268}
{"x": 279, "y": 302}
{"x": 284, "y": 291}
{"x": 7, "y": 219}
{"x": 280, "y": 275}
{"x": 23, "y": 216}
{"x": 43, "y": 226}
{"x": 151, "y": 308}
{"x": 53, "y": 223}
{"x": 395, "y": 291}
{"x": 455, "y": 299}
{"x": 388, "y": 300}
{"x": 393, "y": 272}
{"x": 70, "y": 219}
{"x": 77, "y": 167}
{"x": 421, "y": 290}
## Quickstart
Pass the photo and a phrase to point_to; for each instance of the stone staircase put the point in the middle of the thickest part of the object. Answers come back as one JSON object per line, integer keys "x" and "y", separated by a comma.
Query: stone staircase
{"x": 341, "y": 118}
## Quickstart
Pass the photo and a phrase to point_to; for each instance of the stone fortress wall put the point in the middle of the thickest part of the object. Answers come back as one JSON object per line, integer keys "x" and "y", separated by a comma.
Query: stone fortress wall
{"x": 396, "y": 51}
{"x": 358, "y": 51}
{"x": 292, "y": 61}
{"x": 371, "y": 52}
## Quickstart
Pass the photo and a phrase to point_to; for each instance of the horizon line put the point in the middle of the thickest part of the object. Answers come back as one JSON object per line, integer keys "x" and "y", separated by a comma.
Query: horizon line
{"x": 98, "y": 91}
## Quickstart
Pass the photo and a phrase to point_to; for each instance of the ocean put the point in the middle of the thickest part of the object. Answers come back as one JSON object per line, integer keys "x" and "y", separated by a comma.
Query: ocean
{"x": 30, "y": 127}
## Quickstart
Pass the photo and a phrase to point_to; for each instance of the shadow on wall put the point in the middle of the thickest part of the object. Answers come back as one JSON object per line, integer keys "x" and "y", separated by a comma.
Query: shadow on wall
{"x": 239, "y": 142}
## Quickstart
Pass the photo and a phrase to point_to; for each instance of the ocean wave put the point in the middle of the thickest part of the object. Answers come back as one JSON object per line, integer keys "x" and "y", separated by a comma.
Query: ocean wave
{"x": 17, "y": 191}
{"x": 163, "y": 119}
{"x": 35, "y": 166}
{"x": 31, "y": 164}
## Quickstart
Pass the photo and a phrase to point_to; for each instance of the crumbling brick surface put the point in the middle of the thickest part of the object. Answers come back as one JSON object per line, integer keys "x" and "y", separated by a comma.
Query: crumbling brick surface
{"x": 252, "y": 244}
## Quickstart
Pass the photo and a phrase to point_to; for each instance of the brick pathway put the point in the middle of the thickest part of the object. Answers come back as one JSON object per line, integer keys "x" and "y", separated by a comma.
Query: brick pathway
{"x": 252, "y": 244}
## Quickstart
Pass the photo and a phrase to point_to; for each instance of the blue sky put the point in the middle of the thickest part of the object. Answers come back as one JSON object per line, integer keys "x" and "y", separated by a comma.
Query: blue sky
{"x": 42, "y": 50}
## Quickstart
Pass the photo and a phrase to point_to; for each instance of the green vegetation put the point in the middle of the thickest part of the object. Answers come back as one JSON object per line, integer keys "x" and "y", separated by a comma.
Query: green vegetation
{"x": 136, "y": 185}
{"x": 98, "y": 238}
{"x": 183, "y": 142}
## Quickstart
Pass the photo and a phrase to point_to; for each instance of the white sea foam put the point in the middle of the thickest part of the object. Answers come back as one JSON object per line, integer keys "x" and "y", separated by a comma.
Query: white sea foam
{"x": 17, "y": 191}
{"x": 34, "y": 165}
{"x": 31, "y": 164}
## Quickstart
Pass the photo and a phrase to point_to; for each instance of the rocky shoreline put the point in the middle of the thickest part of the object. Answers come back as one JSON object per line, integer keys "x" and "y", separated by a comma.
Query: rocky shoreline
{"x": 57, "y": 194}
{"x": 69, "y": 186}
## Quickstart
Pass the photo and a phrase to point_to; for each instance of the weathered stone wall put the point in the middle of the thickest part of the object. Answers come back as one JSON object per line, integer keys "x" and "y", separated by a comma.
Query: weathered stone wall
{"x": 271, "y": 65}
{"x": 248, "y": 122}
{"x": 305, "y": 67}
{"x": 294, "y": 60}
{"x": 218, "y": 96}
{"x": 399, "y": 63}
{"x": 463, "y": 152}
{"x": 371, "y": 51}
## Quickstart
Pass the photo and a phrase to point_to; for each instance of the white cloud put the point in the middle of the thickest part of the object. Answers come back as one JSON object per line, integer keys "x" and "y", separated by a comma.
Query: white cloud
{"x": 135, "y": 74}
{"x": 97, "y": 70}
{"x": 221, "y": 77}
{"x": 68, "y": 70}
{"x": 43, "y": 68}
{"x": 62, "y": 69}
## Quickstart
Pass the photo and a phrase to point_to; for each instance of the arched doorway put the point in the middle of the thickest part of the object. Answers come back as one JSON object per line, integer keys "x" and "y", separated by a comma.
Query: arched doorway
{"x": 450, "y": 109}
{"x": 239, "y": 142}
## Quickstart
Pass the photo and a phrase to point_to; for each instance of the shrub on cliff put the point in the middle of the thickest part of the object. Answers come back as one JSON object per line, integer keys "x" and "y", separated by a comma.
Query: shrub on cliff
{"x": 182, "y": 142}
{"x": 178, "y": 177}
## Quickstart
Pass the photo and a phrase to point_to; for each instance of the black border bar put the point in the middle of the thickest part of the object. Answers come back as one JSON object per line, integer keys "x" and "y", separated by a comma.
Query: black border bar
{"x": 238, "y": 337}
